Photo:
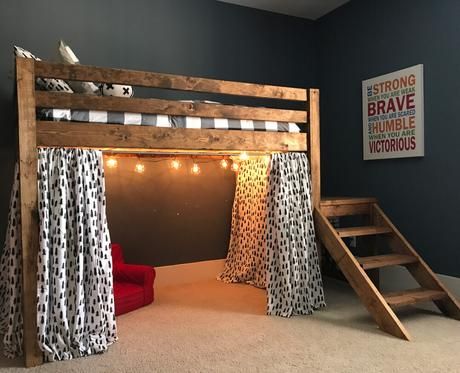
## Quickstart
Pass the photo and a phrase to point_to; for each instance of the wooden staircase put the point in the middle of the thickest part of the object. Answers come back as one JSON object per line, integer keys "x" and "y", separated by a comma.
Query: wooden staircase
{"x": 398, "y": 252}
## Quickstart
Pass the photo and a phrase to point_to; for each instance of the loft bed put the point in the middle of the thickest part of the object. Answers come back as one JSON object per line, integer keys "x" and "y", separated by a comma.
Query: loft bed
{"x": 35, "y": 133}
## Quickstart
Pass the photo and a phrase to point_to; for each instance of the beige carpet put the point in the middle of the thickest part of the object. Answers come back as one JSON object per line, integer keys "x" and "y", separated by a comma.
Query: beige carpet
{"x": 215, "y": 327}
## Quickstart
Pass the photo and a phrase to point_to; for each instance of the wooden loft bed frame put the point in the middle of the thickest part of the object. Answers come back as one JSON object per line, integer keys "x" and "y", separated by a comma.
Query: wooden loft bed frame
{"x": 34, "y": 133}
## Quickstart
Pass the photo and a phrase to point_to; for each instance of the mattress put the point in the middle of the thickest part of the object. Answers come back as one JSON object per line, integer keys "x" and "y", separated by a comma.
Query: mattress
{"x": 171, "y": 121}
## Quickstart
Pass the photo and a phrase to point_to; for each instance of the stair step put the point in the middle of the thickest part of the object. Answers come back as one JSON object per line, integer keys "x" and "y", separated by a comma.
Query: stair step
{"x": 363, "y": 231}
{"x": 335, "y": 201}
{"x": 379, "y": 261}
{"x": 412, "y": 296}
{"x": 346, "y": 206}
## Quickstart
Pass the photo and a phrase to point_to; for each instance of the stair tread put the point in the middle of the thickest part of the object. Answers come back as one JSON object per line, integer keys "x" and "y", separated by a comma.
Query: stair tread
{"x": 334, "y": 201}
{"x": 412, "y": 296}
{"x": 379, "y": 261}
{"x": 363, "y": 231}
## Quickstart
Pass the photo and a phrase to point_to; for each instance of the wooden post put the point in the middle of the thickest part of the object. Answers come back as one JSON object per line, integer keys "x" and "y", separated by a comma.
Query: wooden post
{"x": 314, "y": 147}
{"x": 29, "y": 206}
{"x": 314, "y": 151}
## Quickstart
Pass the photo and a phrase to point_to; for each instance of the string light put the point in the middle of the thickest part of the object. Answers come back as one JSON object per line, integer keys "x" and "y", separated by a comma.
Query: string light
{"x": 244, "y": 156}
{"x": 224, "y": 163}
{"x": 111, "y": 162}
{"x": 235, "y": 167}
{"x": 195, "y": 169}
{"x": 175, "y": 164}
{"x": 139, "y": 168}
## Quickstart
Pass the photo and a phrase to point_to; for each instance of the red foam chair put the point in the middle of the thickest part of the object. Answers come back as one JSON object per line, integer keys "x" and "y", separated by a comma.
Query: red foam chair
{"x": 132, "y": 284}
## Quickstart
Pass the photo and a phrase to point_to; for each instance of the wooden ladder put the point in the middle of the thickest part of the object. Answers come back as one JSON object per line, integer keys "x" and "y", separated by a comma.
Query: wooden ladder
{"x": 400, "y": 252}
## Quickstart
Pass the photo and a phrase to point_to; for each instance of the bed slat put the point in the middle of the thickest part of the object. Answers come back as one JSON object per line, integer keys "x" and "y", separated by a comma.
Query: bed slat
{"x": 158, "y": 106}
{"x": 167, "y": 81}
{"x": 72, "y": 134}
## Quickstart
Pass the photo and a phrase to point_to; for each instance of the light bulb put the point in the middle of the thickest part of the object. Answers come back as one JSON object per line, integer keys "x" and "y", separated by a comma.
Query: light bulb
{"x": 224, "y": 164}
{"x": 175, "y": 164}
{"x": 195, "y": 169}
{"x": 244, "y": 156}
{"x": 267, "y": 159}
{"x": 139, "y": 168}
{"x": 111, "y": 162}
{"x": 235, "y": 166}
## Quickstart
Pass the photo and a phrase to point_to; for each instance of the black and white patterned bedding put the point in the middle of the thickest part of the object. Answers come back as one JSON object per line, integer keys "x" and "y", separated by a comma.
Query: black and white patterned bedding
{"x": 171, "y": 121}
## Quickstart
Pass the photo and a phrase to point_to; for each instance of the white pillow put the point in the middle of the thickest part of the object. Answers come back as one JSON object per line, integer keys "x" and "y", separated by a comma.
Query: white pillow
{"x": 117, "y": 90}
{"x": 48, "y": 84}
{"x": 68, "y": 57}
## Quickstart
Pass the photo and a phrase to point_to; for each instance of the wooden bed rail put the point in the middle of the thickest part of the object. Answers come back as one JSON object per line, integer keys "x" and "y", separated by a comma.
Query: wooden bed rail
{"x": 163, "y": 140}
{"x": 166, "y": 81}
{"x": 167, "y": 107}
{"x": 34, "y": 134}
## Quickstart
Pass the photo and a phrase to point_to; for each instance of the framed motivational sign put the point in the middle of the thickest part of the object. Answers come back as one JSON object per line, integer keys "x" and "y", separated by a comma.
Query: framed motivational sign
{"x": 393, "y": 115}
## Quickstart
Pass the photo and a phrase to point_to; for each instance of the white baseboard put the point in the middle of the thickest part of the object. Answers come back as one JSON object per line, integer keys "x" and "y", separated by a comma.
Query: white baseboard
{"x": 187, "y": 273}
{"x": 398, "y": 278}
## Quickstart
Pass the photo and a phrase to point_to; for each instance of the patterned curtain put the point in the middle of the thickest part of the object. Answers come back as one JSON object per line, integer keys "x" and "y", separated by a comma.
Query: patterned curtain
{"x": 272, "y": 243}
{"x": 75, "y": 310}
{"x": 246, "y": 254}
{"x": 294, "y": 283}
{"x": 11, "y": 327}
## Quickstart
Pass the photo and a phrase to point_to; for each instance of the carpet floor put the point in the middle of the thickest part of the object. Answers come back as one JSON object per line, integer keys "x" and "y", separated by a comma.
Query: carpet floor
{"x": 215, "y": 327}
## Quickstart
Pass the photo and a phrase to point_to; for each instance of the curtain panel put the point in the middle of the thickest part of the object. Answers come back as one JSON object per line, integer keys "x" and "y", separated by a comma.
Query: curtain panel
{"x": 75, "y": 305}
{"x": 294, "y": 282}
{"x": 273, "y": 242}
{"x": 246, "y": 260}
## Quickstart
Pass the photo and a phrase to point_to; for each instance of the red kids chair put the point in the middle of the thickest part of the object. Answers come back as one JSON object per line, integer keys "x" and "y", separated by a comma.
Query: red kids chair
{"x": 132, "y": 284}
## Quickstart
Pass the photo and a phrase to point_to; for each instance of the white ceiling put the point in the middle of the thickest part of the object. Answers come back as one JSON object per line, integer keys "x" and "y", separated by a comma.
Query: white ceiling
{"x": 310, "y": 9}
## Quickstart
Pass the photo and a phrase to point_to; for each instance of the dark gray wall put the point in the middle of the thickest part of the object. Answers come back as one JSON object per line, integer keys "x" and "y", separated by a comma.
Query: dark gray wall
{"x": 199, "y": 37}
{"x": 364, "y": 39}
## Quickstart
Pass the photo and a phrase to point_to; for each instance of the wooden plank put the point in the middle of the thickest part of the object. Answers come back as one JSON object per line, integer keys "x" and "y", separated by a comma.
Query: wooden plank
{"x": 380, "y": 261}
{"x": 314, "y": 145}
{"x": 72, "y": 134}
{"x": 412, "y": 296}
{"x": 346, "y": 210}
{"x": 450, "y": 305}
{"x": 166, "y": 81}
{"x": 167, "y": 107}
{"x": 358, "y": 279}
{"x": 340, "y": 201}
{"x": 25, "y": 80}
{"x": 362, "y": 231}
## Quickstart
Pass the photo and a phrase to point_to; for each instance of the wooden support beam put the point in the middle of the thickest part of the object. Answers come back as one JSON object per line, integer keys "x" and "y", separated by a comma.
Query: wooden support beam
{"x": 166, "y": 107}
{"x": 167, "y": 81}
{"x": 29, "y": 205}
{"x": 314, "y": 145}
{"x": 77, "y": 135}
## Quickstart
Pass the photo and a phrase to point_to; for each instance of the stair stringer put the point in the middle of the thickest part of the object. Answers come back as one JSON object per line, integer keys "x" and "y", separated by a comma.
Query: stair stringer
{"x": 382, "y": 313}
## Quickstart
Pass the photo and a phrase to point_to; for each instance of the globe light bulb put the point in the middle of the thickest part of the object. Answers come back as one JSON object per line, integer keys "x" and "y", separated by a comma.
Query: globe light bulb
{"x": 195, "y": 169}
{"x": 235, "y": 167}
{"x": 111, "y": 162}
{"x": 224, "y": 164}
{"x": 244, "y": 156}
{"x": 175, "y": 164}
{"x": 139, "y": 168}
